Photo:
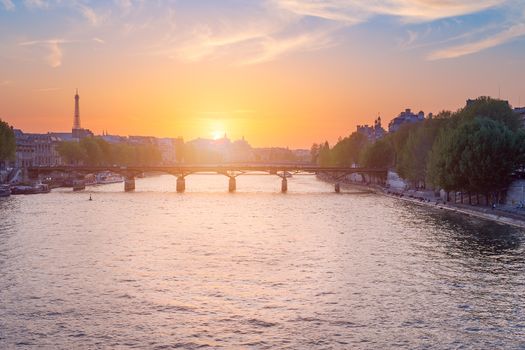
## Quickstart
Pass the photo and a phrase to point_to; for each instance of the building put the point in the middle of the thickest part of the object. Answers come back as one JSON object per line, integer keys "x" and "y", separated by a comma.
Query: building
{"x": 45, "y": 149}
{"x": 240, "y": 151}
{"x": 113, "y": 138}
{"x": 405, "y": 117}
{"x": 373, "y": 133}
{"x": 142, "y": 140}
{"x": 36, "y": 150}
{"x": 170, "y": 149}
{"x": 274, "y": 155}
{"x": 25, "y": 150}
{"x": 221, "y": 150}
{"x": 302, "y": 155}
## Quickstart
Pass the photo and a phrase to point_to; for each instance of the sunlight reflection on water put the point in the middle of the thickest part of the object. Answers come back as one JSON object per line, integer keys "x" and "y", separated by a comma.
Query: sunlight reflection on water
{"x": 253, "y": 269}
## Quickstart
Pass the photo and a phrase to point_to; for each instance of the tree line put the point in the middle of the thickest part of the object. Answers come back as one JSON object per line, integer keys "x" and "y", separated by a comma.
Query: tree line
{"x": 97, "y": 152}
{"x": 7, "y": 142}
{"x": 477, "y": 149}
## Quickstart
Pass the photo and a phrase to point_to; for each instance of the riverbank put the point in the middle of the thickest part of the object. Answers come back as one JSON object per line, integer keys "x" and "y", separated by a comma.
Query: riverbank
{"x": 484, "y": 213}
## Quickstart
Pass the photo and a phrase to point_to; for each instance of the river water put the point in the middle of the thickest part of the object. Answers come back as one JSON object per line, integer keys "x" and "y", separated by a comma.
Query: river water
{"x": 255, "y": 269}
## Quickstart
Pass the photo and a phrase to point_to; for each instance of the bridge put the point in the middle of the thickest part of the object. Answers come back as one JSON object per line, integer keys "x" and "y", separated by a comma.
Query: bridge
{"x": 284, "y": 171}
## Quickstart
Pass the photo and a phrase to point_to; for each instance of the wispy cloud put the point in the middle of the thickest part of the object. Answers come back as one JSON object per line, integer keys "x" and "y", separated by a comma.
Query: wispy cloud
{"x": 272, "y": 48}
{"x": 430, "y": 10}
{"x": 355, "y": 11}
{"x": 124, "y": 5}
{"x": 469, "y": 48}
{"x": 88, "y": 13}
{"x": 412, "y": 36}
{"x": 260, "y": 31}
{"x": 36, "y": 4}
{"x": 53, "y": 47}
{"x": 8, "y": 5}
{"x": 283, "y": 36}
{"x": 344, "y": 11}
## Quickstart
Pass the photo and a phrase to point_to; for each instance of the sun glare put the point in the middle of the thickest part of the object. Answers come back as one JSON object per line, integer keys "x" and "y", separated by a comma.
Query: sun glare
{"x": 217, "y": 134}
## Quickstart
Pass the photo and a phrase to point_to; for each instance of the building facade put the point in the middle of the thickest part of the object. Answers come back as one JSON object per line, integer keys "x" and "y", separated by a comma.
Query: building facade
{"x": 373, "y": 133}
{"x": 406, "y": 117}
{"x": 36, "y": 150}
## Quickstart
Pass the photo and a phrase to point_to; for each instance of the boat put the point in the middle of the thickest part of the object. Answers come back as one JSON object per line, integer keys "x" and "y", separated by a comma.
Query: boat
{"x": 107, "y": 177}
{"x": 5, "y": 190}
{"x": 90, "y": 180}
{"x": 79, "y": 185}
{"x": 41, "y": 188}
{"x": 34, "y": 189}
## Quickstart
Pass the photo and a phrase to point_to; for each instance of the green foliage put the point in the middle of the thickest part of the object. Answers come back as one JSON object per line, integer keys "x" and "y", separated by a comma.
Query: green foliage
{"x": 487, "y": 107}
{"x": 7, "y": 142}
{"x": 71, "y": 152}
{"x": 412, "y": 158}
{"x": 347, "y": 151}
{"x": 480, "y": 156}
{"x": 399, "y": 139}
{"x": 475, "y": 149}
{"x": 96, "y": 151}
{"x": 325, "y": 155}
{"x": 314, "y": 153}
{"x": 378, "y": 155}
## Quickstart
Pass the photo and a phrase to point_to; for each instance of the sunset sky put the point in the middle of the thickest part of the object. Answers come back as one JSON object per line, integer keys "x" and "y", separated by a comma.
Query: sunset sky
{"x": 279, "y": 72}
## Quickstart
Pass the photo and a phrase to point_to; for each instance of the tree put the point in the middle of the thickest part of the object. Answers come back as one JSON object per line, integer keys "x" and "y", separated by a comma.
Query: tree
{"x": 93, "y": 152}
{"x": 96, "y": 151}
{"x": 378, "y": 155}
{"x": 7, "y": 142}
{"x": 480, "y": 156}
{"x": 325, "y": 157}
{"x": 487, "y": 107}
{"x": 314, "y": 153}
{"x": 71, "y": 152}
{"x": 413, "y": 156}
{"x": 346, "y": 152}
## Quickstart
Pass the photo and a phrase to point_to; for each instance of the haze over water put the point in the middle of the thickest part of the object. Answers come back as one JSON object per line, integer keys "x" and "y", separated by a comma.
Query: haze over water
{"x": 255, "y": 269}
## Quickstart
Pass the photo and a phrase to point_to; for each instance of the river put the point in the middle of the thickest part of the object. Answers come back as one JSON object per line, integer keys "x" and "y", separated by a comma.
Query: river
{"x": 256, "y": 269}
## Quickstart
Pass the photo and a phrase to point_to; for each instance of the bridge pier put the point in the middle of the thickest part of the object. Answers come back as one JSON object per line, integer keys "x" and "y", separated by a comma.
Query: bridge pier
{"x": 129, "y": 184}
{"x": 337, "y": 187}
{"x": 232, "y": 184}
{"x": 181, "y": 184}
{"x": 284, "y": 185}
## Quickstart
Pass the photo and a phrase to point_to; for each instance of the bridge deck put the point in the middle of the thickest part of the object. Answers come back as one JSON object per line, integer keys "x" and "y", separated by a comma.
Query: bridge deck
{"x": 192, "y": 169}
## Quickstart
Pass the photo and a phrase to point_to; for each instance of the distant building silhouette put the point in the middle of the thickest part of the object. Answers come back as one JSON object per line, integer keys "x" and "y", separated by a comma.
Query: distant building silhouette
{"x": 76, "y": 122}
{"x": 77, "y": 132}
{"x": 404, "y": 118}
{"x": 219, "y": 150}
{"x": 373, "y": 133}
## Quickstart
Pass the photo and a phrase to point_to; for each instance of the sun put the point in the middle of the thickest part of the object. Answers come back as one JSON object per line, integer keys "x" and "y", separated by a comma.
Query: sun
{"x": 217, "y": 134}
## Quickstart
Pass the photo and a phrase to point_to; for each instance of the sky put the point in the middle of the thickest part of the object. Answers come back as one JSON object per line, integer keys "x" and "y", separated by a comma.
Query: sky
{"x": 278, "y": 72}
